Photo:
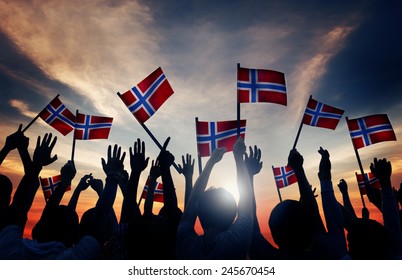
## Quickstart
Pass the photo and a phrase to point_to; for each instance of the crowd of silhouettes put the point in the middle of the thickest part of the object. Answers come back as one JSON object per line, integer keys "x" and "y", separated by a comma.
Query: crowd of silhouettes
{"x": 230, "y": 230}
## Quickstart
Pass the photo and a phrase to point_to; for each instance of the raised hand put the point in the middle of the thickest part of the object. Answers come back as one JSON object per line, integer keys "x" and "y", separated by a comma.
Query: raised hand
{"x": 382, "y": 170}
{"x": 253, "y": 161}
{"x": 155, "y": 171}
{"x": 295, "y": 160}
{"x": 325, "y": 165}
{"x": 96, "y": 185}
{"x": 138, "y": 162}
{"x": 16, "y": 139}
{"x": 84, "y": 182}
{"x": 187, "y": 169}
{"x": 42, "y": 154}
{"x": 239, "y": 148}
{"x": 343, "y": 186}
{"x": 68, "y": 171}
{"x": 165, "y": 158}
{"x": 114, "y": 166}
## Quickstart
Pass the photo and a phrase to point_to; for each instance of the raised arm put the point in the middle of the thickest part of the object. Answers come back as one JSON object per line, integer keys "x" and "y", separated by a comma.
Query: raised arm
{"x": 245, "y": 206}
{"x": 254, "y": 165}
{"x": 154, "y": 174}
{"x": 190, "y": 212}
{"x": 166, "y": 160}
{"x": 138, "y": 163}
{"x": 343, "y": 188}
{"x": 332, "y": 211}
{"x": 382, "y": 170}
{"x": 307, "y": 197}
{"x": 67, "y": 173}
{"x": 187, "y": 170}
{"x": 25, "y": 193}
{"x": 82, "y": 186}
{"x": 113, "y": 167}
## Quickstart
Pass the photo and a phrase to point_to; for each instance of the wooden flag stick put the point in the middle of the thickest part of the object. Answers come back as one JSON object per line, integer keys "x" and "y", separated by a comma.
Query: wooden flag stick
{"x": 36, "y": 117}
{"x": 362, "y": 172}
{"x": 153, "y": 138}
{"x": 300, "y": 128}
{"x": 359, "y": 162}
{"x": 73, "y": 146}
{"x": 279, "y": 193}
{"x": 238, "y": 105}
{"x": 198, "y": 153}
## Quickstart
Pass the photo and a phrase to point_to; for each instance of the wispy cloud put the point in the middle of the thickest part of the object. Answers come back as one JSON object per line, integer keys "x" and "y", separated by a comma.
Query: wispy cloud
{"x": 22, "y": 107}
{"x": 95, "y": 47}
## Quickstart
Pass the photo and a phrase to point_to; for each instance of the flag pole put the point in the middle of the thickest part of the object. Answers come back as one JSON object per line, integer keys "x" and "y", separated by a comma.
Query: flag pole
{"x": 153, "y": 138}
{"x": 73, "y": 146}
{"x": 279, "y": 193}
{"x": 238, "y": 106}
{"x": 359, "y": 162}
{"x": 36, "y": 117}
{"x": 300, "y": 128}
{"x": 198, "y": 153}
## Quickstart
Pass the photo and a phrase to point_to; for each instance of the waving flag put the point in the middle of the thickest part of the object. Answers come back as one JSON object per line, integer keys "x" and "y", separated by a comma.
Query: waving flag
{"x": 89, "y": 127}
{"x": 158, "y": 193}
{"x": 260, "y": 85}
{"x": 50, "y": 184}
{"x": 58, "y": 116}
{"x": 147, "y": 97}
{"x": 212, "y": 135}
{"x": 321, "y": 115}
{"x": 369, "y": 130}
{"x": 373, "y": 181}
{"x": 284, "y": 176}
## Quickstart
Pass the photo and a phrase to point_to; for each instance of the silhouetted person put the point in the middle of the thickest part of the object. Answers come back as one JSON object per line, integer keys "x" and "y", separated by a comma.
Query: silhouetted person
{"x": 225, "y": 236}
{"x": 368, "y": 240}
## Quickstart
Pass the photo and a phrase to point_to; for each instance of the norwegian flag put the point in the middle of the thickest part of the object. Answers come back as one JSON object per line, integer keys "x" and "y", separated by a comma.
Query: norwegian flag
{"x": 50, "y": 184}
{"x": 147, "y": 97}
{"x": 321, "y": 115}
{"x": 261, "y": 85}
{"x": 212, "y": 135}
{"x": 284, "y": 176}
{"x": 373, "y": 181}
{"x": 369, "y": 130}
{"x": 158, "y": 193}
{"x": 58, "y": 116}
{"x": 89, "y": 127}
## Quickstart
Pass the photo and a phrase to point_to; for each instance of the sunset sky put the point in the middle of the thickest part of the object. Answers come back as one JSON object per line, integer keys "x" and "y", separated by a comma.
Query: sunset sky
{"x": 344, "y": 53}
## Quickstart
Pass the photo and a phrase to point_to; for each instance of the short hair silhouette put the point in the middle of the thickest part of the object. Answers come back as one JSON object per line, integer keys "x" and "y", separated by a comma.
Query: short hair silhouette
{"x": 368, "y": 240}
{"x": 86, "y": 224}
{"x": 291, "y": 227}
{"x": 59, "y": 223}
{"x": 216, "y": 209}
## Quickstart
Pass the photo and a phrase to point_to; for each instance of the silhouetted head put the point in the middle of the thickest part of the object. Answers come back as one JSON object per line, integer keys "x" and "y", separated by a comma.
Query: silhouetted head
{"x": 216, "y": 209}
{"x": 58, "y": 223}
{"x": 6, "y": 188}
{"x": 291, "y": 227}
{"x": 86, "y": 224}
{"x": 368, "y": 240}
